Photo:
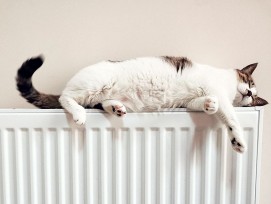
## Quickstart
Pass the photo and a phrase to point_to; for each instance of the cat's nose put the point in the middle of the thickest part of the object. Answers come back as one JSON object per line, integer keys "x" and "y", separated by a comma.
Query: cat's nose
{"x": 249, "y": 93}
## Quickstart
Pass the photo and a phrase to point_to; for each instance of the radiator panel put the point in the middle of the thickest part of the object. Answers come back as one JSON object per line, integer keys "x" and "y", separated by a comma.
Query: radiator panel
{"x": 160, "y": 158}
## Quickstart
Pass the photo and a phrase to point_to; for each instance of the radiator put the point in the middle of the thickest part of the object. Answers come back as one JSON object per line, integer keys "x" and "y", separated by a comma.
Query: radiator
{"x": 169, "y": 157}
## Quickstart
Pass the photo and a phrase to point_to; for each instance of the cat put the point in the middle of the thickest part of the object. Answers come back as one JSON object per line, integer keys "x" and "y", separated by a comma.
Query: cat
{"x": 150, "y": 84}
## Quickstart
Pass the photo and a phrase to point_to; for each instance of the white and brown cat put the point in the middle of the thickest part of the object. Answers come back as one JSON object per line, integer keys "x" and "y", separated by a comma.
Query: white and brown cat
{"x": 150, "y": 84}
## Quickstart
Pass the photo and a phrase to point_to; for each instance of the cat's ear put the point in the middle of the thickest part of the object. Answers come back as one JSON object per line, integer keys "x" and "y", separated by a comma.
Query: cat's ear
{"x": 259, "y": 102}
{"x": 249, "y": 69}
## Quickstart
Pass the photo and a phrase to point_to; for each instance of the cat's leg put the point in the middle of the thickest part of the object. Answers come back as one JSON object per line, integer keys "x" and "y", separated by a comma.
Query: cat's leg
{"x": 225, "y": 112}
{"x": 227, "y": 115}
{"x": 114, "y": 107}
{"x": 77, "y": 111}
{"x": 208, "y": 104}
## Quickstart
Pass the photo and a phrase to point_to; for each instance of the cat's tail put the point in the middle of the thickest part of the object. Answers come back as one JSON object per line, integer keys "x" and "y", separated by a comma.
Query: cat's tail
{"x": 27, "y": 90}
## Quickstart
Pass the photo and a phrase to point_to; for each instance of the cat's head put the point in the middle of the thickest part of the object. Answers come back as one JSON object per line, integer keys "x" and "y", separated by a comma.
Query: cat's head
{"x": 246, "y": 89}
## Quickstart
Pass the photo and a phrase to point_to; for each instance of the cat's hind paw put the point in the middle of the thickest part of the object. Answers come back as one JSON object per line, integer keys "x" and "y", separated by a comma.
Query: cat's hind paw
{"x": 114, "y": 107}
{"x": 210, "y": 105}
{"x": 119, "y": 110}
{"x": 238, "y": 145}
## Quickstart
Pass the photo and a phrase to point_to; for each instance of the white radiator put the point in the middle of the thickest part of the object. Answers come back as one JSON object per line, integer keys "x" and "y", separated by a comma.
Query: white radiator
{"x": 170, "y": 157}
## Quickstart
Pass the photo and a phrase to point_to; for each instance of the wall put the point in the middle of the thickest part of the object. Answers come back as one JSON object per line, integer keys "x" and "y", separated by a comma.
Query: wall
{"x": 74, "y": 34}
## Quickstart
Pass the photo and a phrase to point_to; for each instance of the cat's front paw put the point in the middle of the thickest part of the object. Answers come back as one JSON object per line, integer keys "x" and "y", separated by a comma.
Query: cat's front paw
{"x": 236, "y": 138}
{"x": 79, "y": 116}
{"x": 238, "y": 145}
{"x": 210, "y": 105}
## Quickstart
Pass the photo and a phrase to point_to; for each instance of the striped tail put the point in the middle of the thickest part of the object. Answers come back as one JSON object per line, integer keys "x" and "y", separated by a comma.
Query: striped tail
{"x": 27, "y": 90}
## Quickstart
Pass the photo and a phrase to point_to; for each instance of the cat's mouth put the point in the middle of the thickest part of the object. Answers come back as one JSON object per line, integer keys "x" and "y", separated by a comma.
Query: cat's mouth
{"x": 248, "y": 94}
{"x": 244, "y": 99}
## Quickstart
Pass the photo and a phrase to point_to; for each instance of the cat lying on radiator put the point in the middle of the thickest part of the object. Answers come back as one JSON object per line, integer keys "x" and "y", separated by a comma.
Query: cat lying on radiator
{"x": 150, "y": 84}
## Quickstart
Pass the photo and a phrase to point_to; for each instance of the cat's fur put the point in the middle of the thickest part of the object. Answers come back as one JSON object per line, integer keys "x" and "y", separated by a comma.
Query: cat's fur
{"x": 150, "y": 84}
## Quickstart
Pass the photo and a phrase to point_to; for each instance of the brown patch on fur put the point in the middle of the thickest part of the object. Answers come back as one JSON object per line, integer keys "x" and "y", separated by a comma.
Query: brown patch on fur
{"x": 250, "y": 68}
{"x": 243, "y": 77}
{"x": 257, "y": 101}
{"x": 178, "y": 62}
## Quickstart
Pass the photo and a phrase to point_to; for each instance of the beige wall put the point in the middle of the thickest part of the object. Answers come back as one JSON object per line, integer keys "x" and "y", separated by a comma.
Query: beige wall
{"x": 71, "y": 35}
